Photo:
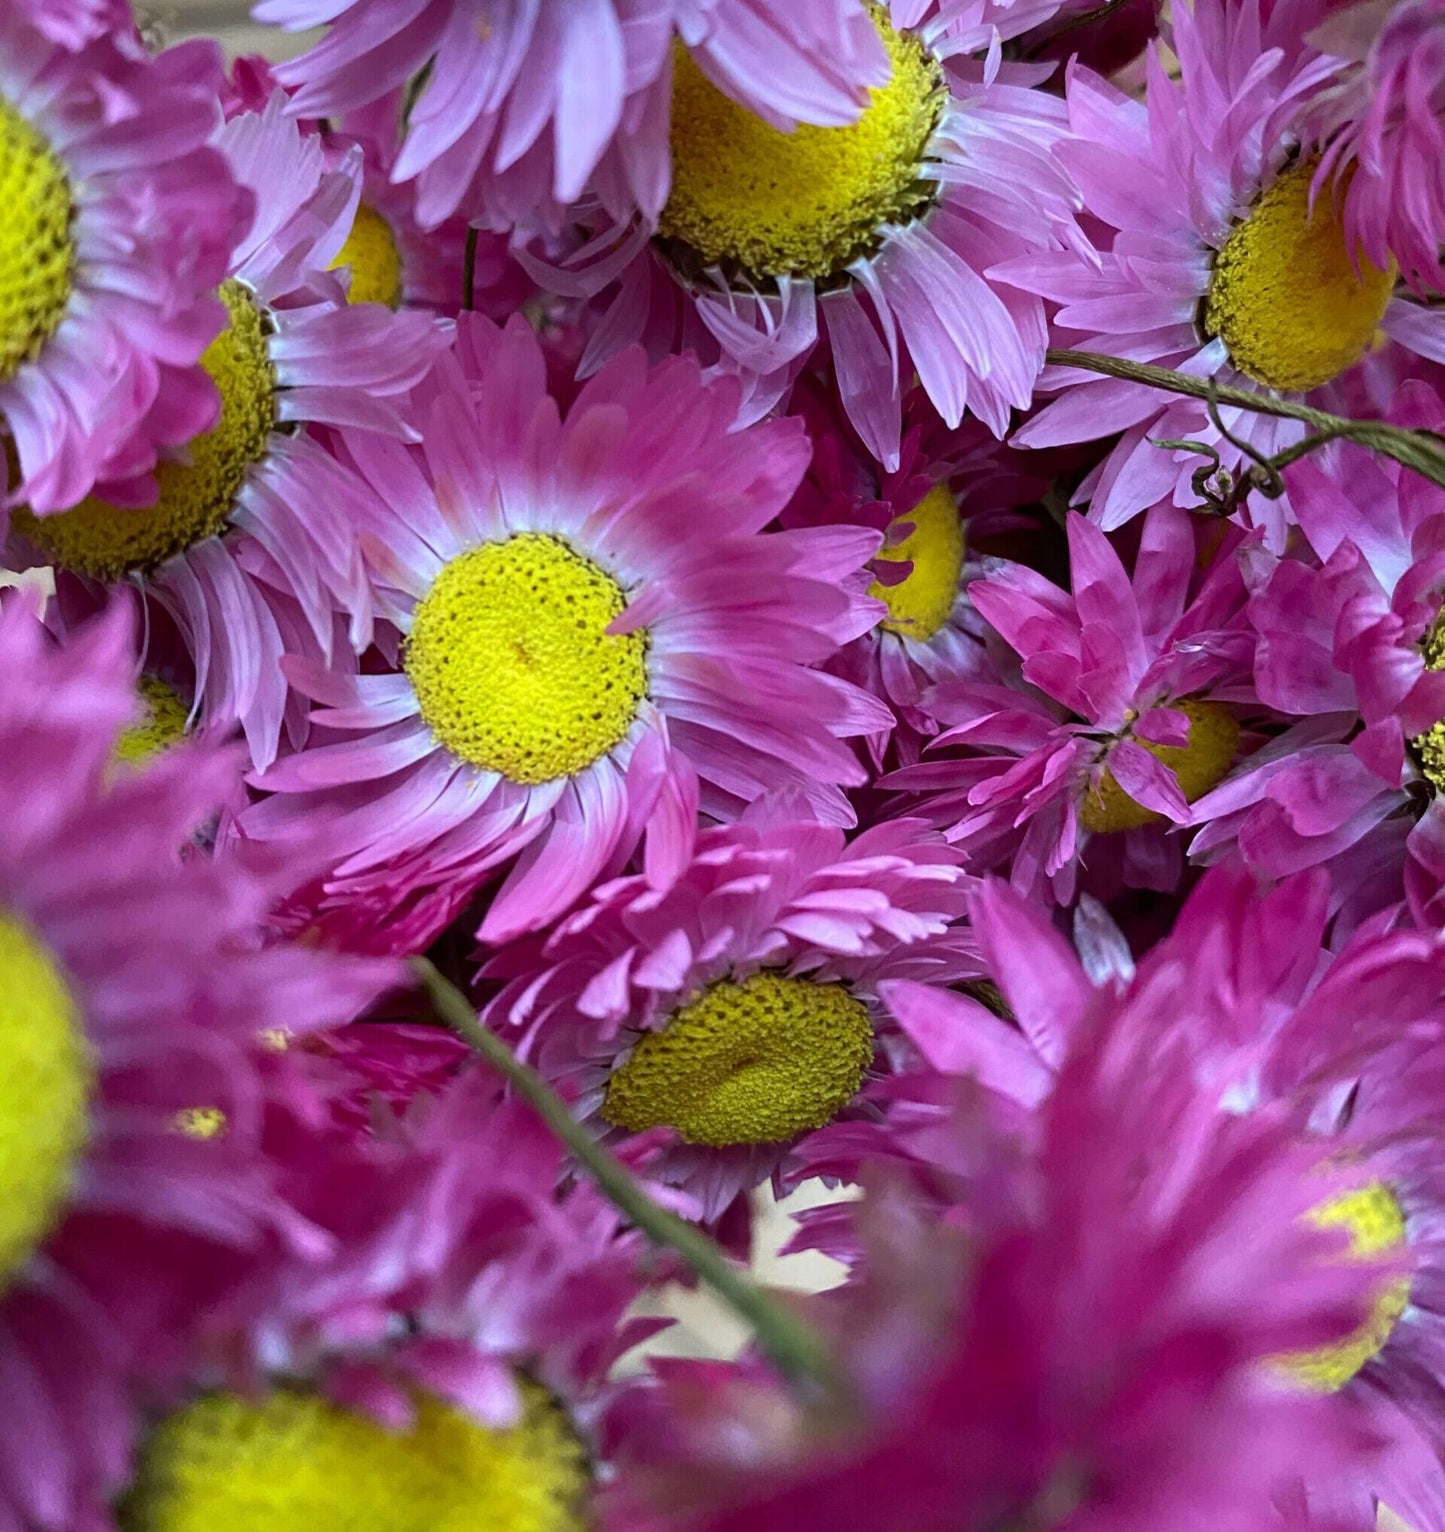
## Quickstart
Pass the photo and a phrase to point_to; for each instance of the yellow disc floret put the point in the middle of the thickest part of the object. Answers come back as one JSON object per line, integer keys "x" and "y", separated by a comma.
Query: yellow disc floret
{"x": 162, "y": 726}
{"x": 1199, "y": 765}
{"x": 37, "y": 246}
{"x": 294, "y": 1462}
{"x": 1429, "y": 747}
{"x": 46, "y": 1077}
{"x": 751, "y": 1062}
{"x": 920, "y": 604}
{"x": 200, "y": 1122}
{"x": 196, "y": 498}
{"x": 512, "y": 663}
{"x": 375, "y": 261}
{"x": 1375, "y": 1222}
{"x": 763, "y": 204}
{"x": 1285, "y": 297}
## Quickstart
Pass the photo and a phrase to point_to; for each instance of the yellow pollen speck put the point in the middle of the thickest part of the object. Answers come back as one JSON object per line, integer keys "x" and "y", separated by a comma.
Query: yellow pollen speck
{"x": 163, "y": 725}
{"x": 375, "y": 261}
{"x": 294, "y": 1462}
{"x": 277, "y": 1039}
{"x": 46, "y": 1077}
{"x": 1429, "y": 747}
{"x": 201, "y": 1122}
{"x": 512, "y": 664}
{"x": 920, "y": 604}
{"x": 1375, "y": 1222}
{"x": 752, "y": 1062}
{"x": 37, "y": 247}
{"x": 1199, "y": 765}
{"x": 196, "y": 499}
{"x": 1284, "y": 296}
{"x": 762, "y": 204}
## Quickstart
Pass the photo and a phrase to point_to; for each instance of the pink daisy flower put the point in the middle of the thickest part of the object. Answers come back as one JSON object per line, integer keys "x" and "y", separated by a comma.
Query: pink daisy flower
{"x": 136, "y": 986}
{"x": 591, "y": 617}
{"x": 881, "y": 235}
{"x": 734, "y": 997}
{"x": 446, "y": 1365}
{"x": 1115, "y": 1360}
{"x": 1384, "y": 127}
{"x": 522, "y": 107}
{"x": 1115, "y": 718}
{"x": 121, "y": 219}
{"x": 1213, "y": 256}
{"x": 1350, "y": 653}
{"x": 1351, "y": 1048}
{"x": 250, "y": 546}
{"x": 949, "y": 486}
{"x": 388, "y": 257}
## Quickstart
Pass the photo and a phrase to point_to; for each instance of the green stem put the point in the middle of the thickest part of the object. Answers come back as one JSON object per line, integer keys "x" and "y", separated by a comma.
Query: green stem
{"x": 1422, "y": 452}
{"x": 794, "y": 1348}
{"x": 469, "y": 272}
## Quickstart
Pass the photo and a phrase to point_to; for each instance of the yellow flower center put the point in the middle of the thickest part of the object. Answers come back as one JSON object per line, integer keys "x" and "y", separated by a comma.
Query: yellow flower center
{"x": 46, "y": 1077}
{"x": 294, "y": 1462}
{"x": 920, "y": 604}
{"x": 1430, "y": 746}
{"x": 375, "y": 261}
{"x": 512, "y": 663}
{"x": 762, "y": 204}
{"x": 200, "y": 1122}
{"x": 1285, "y": 298}
{"x": 1199, "y": 764}
{"x": 196, "y": 498}
{"x": 163, "y": 725}
{"x": 37, "y": 248}
{"x": 752, "y": 1062}
{"x": 1375, "y": 1222}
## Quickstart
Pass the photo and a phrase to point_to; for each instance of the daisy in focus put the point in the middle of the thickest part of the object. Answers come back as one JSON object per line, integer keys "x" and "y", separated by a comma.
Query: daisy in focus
{"x": 250, "y": 547}
{"x": 119, "y": 223}
{"x": 735, "y": 1000}
{"x": 522, "y": 108}
{"x": 135, "y": 986}
{"x": 880, "y": 236}
{"x": 592, "y": 619}
{"x": 1218, "y": 252}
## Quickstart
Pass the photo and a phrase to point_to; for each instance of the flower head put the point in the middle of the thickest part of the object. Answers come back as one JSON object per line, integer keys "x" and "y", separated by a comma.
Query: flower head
{"x": 1111, "y": 727}
{"x": 137, "y": 984}
{"x": 880, "y": 235}
{"x": 1213, "y": 255}
{"x": 523, "y": 111}
{"x": 249, "y": 546}
{"x": 1343, "y": 1052}
{"x": 444, "y": 1365}
{"x": 949, "y": 487}
{"x": 1115, "y": 1355}
{"x": 120, "y": 222}
{"x": 1381, "y": 124}
{"x": 734, "y": 997}
{"x": 1349, "y": 654}
{"x": 591, "y": 616}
